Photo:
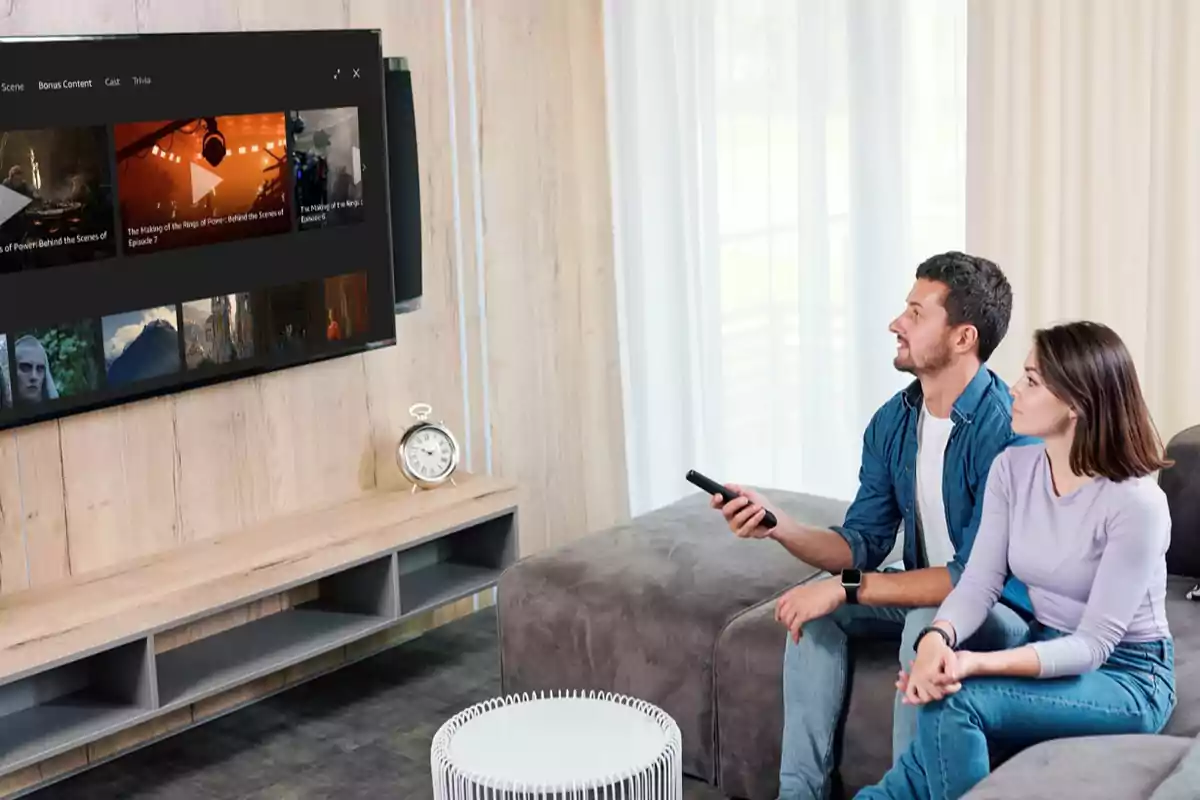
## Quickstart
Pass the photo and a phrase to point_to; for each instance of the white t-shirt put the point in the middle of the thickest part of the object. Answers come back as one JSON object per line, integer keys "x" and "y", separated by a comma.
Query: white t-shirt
{"x": 932, "y": 435}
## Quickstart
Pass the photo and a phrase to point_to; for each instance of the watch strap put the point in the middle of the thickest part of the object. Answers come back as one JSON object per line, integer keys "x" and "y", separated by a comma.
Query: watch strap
{"x": 928, "y": 629}
{"x": 851, "y": 590}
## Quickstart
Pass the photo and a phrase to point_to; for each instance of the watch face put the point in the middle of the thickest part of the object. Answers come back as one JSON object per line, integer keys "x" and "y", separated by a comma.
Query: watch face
{"x": 851, "y": 577}
{"x": 430, "y": 454}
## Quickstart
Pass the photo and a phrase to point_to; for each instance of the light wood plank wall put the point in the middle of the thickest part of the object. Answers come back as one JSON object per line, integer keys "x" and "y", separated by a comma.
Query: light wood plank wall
{"x": 515, "y": 345}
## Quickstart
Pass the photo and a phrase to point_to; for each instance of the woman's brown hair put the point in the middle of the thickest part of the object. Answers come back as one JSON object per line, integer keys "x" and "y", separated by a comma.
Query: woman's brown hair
{"x": 1088, "y": 367}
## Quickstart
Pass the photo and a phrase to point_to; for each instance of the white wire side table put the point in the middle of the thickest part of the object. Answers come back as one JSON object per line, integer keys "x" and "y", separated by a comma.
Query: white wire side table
{"x": 558, "y": 746}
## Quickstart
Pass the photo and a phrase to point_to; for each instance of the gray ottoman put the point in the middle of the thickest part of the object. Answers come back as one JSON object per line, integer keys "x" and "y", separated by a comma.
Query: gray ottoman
{"x": 638, "y": 610}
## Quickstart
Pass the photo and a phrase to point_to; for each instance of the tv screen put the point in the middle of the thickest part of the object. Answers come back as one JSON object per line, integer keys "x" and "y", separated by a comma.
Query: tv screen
{"x": 182, "y": 209}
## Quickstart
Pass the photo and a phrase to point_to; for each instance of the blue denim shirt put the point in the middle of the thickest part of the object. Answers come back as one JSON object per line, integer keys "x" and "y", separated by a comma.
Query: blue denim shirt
{"x": 886, "y": 496}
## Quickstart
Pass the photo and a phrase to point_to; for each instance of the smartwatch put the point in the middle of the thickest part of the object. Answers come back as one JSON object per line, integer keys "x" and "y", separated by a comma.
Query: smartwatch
{"x": 851, "y": 581}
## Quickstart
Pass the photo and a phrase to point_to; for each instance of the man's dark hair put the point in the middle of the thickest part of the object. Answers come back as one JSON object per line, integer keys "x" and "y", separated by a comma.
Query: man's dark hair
{"x": 979, "y": 295}
{"x": 1087, "y": 366}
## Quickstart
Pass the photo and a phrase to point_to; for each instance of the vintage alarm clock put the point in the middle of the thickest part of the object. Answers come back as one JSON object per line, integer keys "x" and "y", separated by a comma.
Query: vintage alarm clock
{"x": 428, "y": 452}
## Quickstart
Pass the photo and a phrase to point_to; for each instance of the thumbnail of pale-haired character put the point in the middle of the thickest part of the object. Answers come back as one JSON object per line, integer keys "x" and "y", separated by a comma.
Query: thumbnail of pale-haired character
{"x": 35, "y": 382}
{"x": 6, "y": 398}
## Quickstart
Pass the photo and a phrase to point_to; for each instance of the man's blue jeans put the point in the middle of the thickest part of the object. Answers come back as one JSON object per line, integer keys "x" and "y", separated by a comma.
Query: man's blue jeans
{"x": 814, "y": 684}
{"x": 1133, "y": 692}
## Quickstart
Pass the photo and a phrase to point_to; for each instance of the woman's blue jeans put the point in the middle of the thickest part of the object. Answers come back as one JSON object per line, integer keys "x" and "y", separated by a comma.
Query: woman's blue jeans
{"x": 1133, "y": 692}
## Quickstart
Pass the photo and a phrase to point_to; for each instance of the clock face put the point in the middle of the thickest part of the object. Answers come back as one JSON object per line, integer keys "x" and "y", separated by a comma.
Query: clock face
{"x": 429, "y": 453}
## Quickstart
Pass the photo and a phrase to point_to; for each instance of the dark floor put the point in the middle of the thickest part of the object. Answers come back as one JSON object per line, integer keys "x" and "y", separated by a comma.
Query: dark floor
{"x": 361, "y": 732}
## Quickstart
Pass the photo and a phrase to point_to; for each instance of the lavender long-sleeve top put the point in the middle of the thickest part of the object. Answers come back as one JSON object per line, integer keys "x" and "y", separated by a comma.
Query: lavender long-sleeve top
{"x": 1094, "y": 560}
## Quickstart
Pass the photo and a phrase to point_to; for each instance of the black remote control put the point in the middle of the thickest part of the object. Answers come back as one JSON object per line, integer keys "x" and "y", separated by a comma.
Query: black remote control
{"x": 712, "y": 487}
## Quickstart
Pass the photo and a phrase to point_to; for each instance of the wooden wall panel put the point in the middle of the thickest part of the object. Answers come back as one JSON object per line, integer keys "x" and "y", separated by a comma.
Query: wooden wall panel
{"x": 259, "y": 15}
{"x": 43, "y": 504}
{"x": 224, "y": 482}
{"x": 426, "y": 366}
{"x": 67, "y": 17}
{"x": 597, "y": 365}
{"x": 551, "y": 330}
{"x": 318, "y": 434}
{"x": 168, "y": 16}
{"x": 119, "y": 470}
{"x": 14, "y": 575}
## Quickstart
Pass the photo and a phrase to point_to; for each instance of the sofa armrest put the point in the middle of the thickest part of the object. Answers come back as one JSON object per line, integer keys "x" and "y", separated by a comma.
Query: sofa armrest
{"x": 1129, "y": 767}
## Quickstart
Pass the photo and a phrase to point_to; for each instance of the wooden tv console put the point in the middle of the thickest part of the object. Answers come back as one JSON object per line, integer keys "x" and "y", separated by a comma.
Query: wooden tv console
{"x": 103, "y": 652}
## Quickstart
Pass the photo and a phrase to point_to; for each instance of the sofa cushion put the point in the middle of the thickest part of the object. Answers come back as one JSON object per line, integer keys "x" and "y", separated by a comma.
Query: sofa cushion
{"x": 1183, "y": 616}
{"x": 637, "y": 609}
{"x": 1113, "y": 767}
{"x": 1184, "y": 781}
{"x": 1181, "y": 484}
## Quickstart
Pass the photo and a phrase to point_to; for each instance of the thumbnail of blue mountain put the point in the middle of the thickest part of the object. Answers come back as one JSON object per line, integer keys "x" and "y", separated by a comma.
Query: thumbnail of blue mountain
{"x": 154, "y": 353}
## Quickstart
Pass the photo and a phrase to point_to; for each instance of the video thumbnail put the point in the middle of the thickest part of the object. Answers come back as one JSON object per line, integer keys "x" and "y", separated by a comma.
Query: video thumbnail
{"x": 202, "y": 181}
{"x": 218, "y": 330}
{"x": 56, "y": 199}
{"x": 289, "y": 319}
{"x": 328, "y": 167}
{"x": 346, "y": 307}
{"x": 55, "y": 362}
{"x": 139, "y": 345}
{"x": 5, "y": 383}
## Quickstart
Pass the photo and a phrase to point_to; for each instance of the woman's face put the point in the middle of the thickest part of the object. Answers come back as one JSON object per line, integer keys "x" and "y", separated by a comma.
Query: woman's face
{"x": 1036, "y": 410}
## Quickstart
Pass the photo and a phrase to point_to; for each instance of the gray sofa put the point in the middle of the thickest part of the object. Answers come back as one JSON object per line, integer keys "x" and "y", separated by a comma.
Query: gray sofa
{"x": 673, "y": 609}
{"x": 1112, "y": 767}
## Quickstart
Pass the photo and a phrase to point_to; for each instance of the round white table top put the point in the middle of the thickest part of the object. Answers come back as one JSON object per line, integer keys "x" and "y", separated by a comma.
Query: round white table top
{"x": 558, "y": 742}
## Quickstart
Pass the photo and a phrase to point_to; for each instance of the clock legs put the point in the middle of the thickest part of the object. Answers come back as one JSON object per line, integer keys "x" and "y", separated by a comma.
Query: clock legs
{"x": 414, "y": 488}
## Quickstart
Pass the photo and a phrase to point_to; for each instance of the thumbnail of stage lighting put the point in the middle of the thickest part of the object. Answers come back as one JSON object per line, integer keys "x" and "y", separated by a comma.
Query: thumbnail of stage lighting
{"x": 201, "y": 181}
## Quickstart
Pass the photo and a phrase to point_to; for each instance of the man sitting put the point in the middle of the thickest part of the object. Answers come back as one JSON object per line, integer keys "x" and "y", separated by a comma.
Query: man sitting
{"x": 925, "y": 461}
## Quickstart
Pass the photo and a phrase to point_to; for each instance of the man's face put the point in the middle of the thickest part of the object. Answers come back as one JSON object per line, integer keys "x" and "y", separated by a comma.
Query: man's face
{"x": 31, "y": 372}
{"x": 923, "y": 333}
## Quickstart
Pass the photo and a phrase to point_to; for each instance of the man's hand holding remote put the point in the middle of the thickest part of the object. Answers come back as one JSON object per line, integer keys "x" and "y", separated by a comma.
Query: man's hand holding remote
{"x": 744, "y": 514}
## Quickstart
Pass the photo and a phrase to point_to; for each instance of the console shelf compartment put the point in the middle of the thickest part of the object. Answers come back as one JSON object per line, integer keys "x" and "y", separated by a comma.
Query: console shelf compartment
{"x": 456, "y": 565}
{"x": 350, "y": 606}
{"x": 50, "y": 712}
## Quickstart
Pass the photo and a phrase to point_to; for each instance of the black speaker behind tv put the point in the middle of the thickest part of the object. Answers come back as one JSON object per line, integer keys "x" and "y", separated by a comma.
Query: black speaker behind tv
{"x": 405, "y": 181}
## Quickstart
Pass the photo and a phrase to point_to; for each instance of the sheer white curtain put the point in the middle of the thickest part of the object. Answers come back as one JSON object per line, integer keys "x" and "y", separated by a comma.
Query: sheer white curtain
{"x": 780, "y": 167}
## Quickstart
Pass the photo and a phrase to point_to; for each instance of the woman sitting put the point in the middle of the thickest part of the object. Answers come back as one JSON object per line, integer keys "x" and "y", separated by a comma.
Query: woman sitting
{"x": 1081, "y": 521}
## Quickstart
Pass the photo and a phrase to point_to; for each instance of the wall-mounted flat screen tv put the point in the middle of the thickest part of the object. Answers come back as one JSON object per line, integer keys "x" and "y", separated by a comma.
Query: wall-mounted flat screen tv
{"x": 182, "y": 209}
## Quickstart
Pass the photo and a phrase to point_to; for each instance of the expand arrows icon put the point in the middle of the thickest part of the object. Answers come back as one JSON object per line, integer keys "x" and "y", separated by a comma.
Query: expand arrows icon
{"x": 11, "y": 203}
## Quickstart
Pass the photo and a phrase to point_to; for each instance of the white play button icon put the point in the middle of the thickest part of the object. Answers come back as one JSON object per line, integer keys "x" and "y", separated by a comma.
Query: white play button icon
{"x": 11, "y": 203}
{"x": 203, "y": 181}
